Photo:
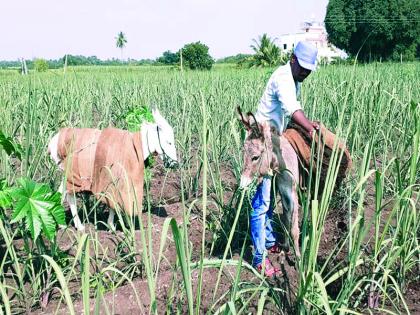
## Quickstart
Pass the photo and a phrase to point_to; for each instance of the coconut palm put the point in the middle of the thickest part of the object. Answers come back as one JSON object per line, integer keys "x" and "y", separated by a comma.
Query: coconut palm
{"x": 267, "y": 53}
{"x": 121, "y": 41}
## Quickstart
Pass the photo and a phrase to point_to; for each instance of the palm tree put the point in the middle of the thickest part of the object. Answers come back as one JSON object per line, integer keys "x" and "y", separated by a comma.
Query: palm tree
{"x": 121, "y": 41}
{"x": 267, "y": 53}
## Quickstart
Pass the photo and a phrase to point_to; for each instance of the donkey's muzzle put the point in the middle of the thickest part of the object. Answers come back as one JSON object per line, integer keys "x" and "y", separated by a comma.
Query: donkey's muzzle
{"x": 245, "y": 182}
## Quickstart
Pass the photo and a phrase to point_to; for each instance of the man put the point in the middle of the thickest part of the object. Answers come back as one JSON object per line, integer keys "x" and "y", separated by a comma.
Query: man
{"x": 279, "y": 105}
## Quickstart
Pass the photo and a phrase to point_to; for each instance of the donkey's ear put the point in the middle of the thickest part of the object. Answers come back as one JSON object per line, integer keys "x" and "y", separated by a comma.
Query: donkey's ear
{"x": 254, "y": 125}
{"x": 244, "y": 119}
{"x": 239, "y": 113}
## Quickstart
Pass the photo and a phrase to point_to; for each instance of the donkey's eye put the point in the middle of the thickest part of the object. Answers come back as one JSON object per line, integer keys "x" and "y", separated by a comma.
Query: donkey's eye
{"x": 254, "y": 158}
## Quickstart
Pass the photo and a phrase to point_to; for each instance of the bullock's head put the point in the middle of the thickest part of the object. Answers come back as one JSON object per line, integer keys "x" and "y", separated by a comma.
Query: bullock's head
{"x": 258, "y": 149}
{"x": 165, "y": 142}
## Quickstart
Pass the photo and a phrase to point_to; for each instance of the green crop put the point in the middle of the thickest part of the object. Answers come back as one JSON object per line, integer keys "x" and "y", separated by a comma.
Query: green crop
{"x": 359, "y": 247}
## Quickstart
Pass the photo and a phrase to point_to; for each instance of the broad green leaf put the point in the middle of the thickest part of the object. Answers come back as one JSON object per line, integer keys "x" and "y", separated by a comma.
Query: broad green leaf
{"x": 40, "y": 207}
{"x": 33, "y": 223}
{"x": 47, "y": 221}
{"x": 5, "y": 199}
{"x": 57, "y": 210}
{"x": 10, "y": 146}
{"x": 20, "y": 208}
{"x": 3, "y": 184}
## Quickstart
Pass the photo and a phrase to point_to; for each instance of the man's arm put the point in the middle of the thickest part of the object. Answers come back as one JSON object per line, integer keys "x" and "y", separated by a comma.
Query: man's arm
{"x": 300, "y": 118}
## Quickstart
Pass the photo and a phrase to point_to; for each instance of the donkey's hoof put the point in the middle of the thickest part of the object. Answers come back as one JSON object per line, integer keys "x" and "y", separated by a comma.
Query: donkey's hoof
{"x": 283, "y": 255}
{"x": 287, "y": 255}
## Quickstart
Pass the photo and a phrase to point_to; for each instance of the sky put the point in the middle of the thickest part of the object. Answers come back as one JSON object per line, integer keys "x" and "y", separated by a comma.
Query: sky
{"x": 52, "y": 28}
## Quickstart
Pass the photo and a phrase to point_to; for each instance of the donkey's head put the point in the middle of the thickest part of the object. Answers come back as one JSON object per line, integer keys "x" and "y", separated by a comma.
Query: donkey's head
{"x": 161, "y": 139}
{"x": 258, "y": 149}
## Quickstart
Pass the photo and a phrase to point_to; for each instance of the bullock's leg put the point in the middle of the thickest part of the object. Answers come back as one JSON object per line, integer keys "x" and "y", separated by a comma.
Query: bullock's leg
{"x": 111, "y": 219}
{"x": 71, "y": 199}
{"x": 62, "y": 190}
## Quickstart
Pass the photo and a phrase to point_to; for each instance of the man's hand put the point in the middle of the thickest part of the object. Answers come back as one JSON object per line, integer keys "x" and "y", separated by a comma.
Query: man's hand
{"x": 315, "y": 128}
{"x": 310, "y": 126}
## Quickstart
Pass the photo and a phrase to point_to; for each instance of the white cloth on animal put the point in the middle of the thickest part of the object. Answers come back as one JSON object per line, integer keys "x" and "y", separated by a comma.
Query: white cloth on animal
{"x": 279, "y": 100}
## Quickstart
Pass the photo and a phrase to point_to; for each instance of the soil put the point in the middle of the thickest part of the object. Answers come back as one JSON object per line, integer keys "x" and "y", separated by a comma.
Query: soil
{"x": 167, "y": 203}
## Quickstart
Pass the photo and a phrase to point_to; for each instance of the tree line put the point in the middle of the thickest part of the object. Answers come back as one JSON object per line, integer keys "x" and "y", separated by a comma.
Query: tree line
{"x": 76, "y": 60}
{"x": 375, "y": 29}
{"x": 194, "y": 56}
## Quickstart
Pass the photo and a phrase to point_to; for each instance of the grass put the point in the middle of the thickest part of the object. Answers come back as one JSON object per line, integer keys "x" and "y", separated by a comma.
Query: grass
{"x": 375, "y": 107}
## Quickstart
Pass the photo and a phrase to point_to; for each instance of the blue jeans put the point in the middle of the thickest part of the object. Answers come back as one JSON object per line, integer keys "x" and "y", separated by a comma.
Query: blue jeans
{"x": 262, "y": 235}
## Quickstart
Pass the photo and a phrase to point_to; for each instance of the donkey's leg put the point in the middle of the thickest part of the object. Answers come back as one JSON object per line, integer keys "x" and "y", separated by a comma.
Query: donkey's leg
{"x": 290, "y": 218}
{"x": 295, "y": 220}
{"x": 270, "y": 238}
{"x": 71, "y": 199}
{"x": 283, "y": 184}
{"x": 287, "y": 186}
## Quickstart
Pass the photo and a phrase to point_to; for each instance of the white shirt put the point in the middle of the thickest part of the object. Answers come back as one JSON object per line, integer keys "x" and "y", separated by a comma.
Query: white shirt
{"x": 279, "y": 100}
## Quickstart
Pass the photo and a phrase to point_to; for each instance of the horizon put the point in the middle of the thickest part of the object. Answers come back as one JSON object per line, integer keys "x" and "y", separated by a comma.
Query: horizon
{"x": 47, "y": 29}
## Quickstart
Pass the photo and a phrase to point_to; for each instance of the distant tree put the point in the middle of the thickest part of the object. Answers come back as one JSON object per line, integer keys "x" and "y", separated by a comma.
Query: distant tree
{"x": 234, "y": 59}
{"x": 93, "y": 60}
{"x": 40, "y": 65}
{"x": 143, "y": 62}
{"x": 375, "y": 29}
{"x": 168, "y": 58}
{"x": 73, "y": 60}
{"x": 77, "y": 60}
{"x": 266, "y": 52}
{"x": 121, "y": 41}
{"x": 10, "y": 64}
{"x": 196, "y": 56}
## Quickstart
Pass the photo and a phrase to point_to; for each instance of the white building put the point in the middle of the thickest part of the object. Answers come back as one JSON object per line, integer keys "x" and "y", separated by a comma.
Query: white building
{"x": 315, "y": 33}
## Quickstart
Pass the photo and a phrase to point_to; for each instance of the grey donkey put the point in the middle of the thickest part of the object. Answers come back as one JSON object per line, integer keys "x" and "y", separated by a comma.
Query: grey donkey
{"x": 266, "y": 152}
